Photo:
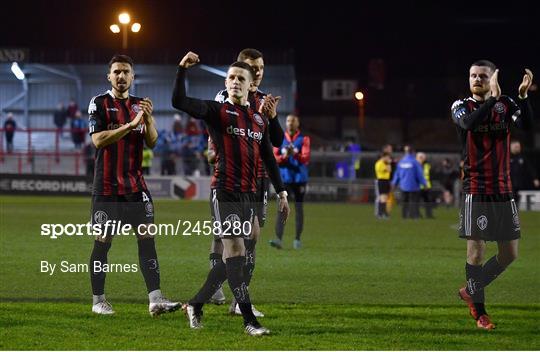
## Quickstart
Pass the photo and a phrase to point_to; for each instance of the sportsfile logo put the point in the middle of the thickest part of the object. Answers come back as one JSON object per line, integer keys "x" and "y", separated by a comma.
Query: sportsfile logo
{"x": 236, "y": 131}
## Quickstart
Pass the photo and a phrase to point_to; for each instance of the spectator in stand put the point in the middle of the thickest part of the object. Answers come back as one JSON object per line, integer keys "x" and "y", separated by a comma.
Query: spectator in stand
{"x": 147, "y": 157}
{"x": 9, "y": 131}
{"x": 72, "y": 109}
{"x": 177, "y": 127}
{"x": 60, "y": 117}
{"x": 78, "y": 130}
{"x": 168, "y": 164}
{"x": 190, "y": 152}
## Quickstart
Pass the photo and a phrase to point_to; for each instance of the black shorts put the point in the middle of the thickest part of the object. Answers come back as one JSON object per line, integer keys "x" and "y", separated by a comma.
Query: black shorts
{"x": 134, "y": 209}
{"x": 232, "y": 213}
{"x": 383, "y": 186}
{"x": 489, "y": 217}
{"x": 263, "y": 188}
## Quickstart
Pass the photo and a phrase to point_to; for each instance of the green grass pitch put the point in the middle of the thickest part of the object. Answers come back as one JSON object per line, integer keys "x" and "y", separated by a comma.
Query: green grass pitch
{"x": 358, "y": 283}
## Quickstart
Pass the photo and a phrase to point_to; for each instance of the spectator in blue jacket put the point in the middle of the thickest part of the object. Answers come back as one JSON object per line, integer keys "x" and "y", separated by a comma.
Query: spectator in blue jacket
{"x": 409, "y": 177}
{"x": 293, "y": 159}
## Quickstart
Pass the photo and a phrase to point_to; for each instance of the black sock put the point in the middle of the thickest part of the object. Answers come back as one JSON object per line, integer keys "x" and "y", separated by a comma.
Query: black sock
{"x": 149, "y": 263}
{"x": 215, "y": 258}
{"x": 475, "y": 286}
{"x": 280, "y": 226}
{"x": 99, "y": 255}
{"x": 299, "y": 210}
{"x": 491, "y": 270}
{"x": 216, "y": 276}
{"x": 380, "y": 209}
{"x": 237, "y": 283}
{"x": 250, "y": 259}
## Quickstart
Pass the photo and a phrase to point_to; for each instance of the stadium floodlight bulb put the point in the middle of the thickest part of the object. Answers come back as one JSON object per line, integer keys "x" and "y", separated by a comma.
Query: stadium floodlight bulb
{"x": 115, "y": 28}
{"x": 124, "y": 18}
{"x": 135, "y": 27}
{"x": 17, "y": 71}
{"x": 359, "y": 95}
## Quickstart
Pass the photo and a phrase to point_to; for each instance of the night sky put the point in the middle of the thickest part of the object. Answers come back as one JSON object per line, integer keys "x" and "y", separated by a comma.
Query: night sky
{"x": 334, "y": 39}
{"x": 422, "y": 43}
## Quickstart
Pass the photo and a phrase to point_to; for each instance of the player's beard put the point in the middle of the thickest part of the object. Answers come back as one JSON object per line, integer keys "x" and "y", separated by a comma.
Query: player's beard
{"x": 122, "y": 87}
{"x": 479, "y": 90}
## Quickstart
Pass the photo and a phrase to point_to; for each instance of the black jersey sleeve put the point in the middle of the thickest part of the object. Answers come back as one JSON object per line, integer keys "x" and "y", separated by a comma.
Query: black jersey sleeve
{"x": 96, "y": 116}
{"x": 206, "y": 110}
{"x": 267, "y": 157}
{"x": 276, "y": 132}
{"x": 521, "y": 113}
{"x": 466, "y": 119}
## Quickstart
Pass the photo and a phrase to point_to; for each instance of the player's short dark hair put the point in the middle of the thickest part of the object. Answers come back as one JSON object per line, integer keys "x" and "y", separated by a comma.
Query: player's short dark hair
{"x": 485, "y": 63}
{"x": 121, "y": 58}
{"x": 249, "y": 53}
{"x": 245, "y": 66}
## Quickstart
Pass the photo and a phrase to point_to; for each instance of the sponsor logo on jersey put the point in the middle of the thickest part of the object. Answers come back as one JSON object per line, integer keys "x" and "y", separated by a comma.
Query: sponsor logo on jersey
{"x": 236, "y": 131}
{"x": 235, "y": 113}
{"x": 112, "y": 109}
{"x": 113, "y": 126}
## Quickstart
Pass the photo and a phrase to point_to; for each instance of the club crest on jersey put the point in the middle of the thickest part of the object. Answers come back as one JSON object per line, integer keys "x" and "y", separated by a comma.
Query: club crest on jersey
{"x": 135, "y": 108}
{"x": 100, "y": 217}
{"x": 258, "y": 119}
{"x": 499, "y": 108}
{"x": 482, "y": 222}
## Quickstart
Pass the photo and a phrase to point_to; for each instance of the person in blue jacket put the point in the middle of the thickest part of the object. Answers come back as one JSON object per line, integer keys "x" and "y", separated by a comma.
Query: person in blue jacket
{"x": 293, "y": 159}
{"x": 409, "y": 177}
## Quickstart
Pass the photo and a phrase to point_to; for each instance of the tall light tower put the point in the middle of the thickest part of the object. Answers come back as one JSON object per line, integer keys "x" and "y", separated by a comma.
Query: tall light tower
{"x": 361, "y": 113}
{"x": 124, "y": 18}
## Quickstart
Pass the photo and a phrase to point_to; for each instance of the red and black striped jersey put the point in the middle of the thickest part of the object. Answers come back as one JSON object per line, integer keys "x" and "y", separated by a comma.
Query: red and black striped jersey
{"x": 484, "y": 133}
{"x": 256, "y": 100}
{"x": 118, "y": 166}
{"x": 240, "y": 138}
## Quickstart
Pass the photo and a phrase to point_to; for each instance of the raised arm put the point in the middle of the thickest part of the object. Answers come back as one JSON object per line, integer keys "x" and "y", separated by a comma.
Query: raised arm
{"x": 150, "y": 133}
{"x": 199, "y": 109}
{"x": 523, "y": 117}
{"x": 269, "y": 109}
